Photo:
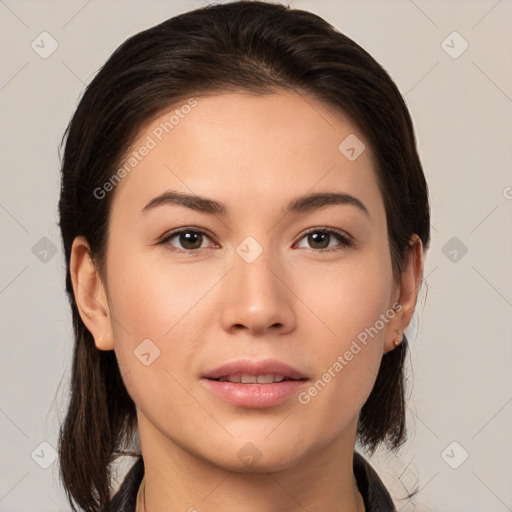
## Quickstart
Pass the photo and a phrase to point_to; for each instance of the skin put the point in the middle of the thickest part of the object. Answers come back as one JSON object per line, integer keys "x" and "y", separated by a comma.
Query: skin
{"x": 203, "y": 309}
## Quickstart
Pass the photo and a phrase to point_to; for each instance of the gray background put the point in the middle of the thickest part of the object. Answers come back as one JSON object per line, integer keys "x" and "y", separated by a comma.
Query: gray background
{"x": 461, "y": 335}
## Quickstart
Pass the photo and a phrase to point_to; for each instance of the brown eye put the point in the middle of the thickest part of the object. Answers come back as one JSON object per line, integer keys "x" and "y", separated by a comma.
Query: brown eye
{"x": 188, "y": 240}
{"x": 322, "y": 239}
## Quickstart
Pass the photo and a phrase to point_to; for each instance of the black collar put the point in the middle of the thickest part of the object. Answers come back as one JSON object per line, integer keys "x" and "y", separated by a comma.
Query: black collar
{"x": 375, "y": 495}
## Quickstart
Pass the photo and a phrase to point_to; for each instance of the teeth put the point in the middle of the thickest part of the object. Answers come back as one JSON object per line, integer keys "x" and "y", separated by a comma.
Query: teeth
{"x": 265, "y": 379}
{"x": 253, "y": 379}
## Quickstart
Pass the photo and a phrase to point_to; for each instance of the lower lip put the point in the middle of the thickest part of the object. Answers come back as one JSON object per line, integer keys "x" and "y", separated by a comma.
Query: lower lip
{"x": 255, "y": 395}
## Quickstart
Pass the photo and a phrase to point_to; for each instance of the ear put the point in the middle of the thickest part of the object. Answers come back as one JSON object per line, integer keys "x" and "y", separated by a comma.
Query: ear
{"x": 90, "y": 295}
{"x": 406, "y": 294}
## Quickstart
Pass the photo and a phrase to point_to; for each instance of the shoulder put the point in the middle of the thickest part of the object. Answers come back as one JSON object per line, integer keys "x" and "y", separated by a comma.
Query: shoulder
{"x": 375, "y": 495}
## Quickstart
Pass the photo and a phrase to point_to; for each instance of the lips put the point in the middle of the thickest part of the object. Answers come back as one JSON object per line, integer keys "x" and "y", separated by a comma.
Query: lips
{"x": 250, "y": 370}
{"x": 254, "y": 384}
{"x": 253, "y": 379}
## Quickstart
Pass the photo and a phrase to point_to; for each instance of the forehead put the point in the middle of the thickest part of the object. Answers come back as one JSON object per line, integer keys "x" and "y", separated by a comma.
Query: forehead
{"x": 250, "y": 149}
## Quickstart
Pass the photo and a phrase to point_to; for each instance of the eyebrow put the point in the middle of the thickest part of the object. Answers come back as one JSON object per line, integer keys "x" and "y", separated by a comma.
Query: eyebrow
{"x": 299, "y": 204}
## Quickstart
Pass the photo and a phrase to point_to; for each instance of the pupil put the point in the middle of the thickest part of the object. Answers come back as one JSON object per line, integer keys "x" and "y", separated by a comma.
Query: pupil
{"x": 315, "y": 237}
{"x": 187, "y": 240}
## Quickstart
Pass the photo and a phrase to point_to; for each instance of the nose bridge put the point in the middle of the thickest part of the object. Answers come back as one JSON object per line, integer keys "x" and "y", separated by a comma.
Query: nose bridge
{"x": 256, "y": 297}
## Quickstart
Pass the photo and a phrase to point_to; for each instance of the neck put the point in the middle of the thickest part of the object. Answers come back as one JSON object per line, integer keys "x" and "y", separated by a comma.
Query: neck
{"x": 177, "y": 480}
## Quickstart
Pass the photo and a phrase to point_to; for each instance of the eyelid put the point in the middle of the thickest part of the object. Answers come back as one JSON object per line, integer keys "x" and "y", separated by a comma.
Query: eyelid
{"x": 322, "y": 229}
{"x": 171, "y": 234}
{"x": 346, "y": 240}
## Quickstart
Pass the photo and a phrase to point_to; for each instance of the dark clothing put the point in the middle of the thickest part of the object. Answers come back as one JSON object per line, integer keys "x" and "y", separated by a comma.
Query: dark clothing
{"x": 375, "y": 495}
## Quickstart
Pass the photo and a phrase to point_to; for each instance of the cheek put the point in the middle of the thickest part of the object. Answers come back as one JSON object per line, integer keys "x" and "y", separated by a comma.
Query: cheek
{"x": 347, "y": 368}
{"x": 346, "y": 298}
{"x": 154, "y": 300}
{"x": 154, "y": 325}
{"x": 152, "y": 316}
{"x": 354, "y": 309}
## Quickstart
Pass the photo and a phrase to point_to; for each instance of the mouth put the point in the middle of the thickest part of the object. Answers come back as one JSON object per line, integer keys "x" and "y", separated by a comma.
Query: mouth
{"x": 248, "y": 371}
{"x": 268, "y": 378}
{"x": 255, "y": 384}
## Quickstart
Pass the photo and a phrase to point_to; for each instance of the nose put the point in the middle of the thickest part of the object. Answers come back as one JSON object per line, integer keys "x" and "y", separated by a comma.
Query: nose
{"x": 257, "y": 297}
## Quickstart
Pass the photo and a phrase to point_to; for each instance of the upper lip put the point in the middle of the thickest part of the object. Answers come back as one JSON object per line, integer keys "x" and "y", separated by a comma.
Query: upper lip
{"x": 252, "y": 367}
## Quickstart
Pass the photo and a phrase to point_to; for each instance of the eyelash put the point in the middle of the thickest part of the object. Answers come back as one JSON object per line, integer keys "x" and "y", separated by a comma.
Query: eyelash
{"x": 345, "y": 240}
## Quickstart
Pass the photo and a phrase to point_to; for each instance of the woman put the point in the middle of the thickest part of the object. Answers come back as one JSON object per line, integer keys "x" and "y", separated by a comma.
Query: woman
{"x": 244, "y": 217}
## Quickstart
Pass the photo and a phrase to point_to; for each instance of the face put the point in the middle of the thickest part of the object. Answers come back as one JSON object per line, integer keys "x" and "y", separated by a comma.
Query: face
{"x": 259, "y": 278}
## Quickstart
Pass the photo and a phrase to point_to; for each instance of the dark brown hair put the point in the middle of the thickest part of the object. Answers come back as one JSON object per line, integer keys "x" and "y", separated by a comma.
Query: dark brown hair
{"x": 249, "y": 46}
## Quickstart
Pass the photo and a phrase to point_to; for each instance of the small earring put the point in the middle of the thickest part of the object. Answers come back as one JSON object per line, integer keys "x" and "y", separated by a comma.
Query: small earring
{"x": 398, "y": 339}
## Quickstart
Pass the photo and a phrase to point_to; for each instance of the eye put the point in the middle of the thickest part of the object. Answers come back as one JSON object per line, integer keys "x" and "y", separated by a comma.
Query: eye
{"x": 321, "y": 239}
{"x": 191, "y": 240}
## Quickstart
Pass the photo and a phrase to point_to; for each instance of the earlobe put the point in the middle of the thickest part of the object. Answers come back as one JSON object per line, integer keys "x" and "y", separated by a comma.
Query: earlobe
{"x": 398, "y": 339}
{"x": 90, "y": 295}
{"x": 410, "y": 282}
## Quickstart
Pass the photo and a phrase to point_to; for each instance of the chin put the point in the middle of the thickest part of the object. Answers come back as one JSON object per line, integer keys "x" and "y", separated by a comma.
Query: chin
{"x": 257, "y": 456}
{"x": 266, "y": 464}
